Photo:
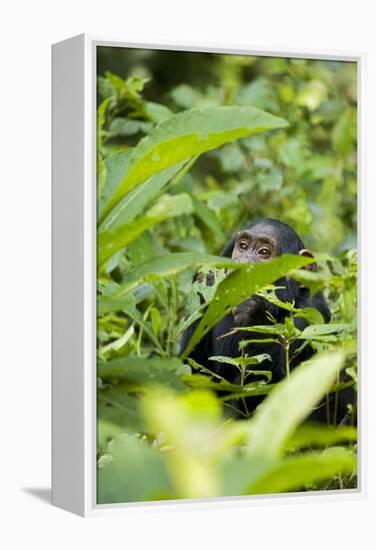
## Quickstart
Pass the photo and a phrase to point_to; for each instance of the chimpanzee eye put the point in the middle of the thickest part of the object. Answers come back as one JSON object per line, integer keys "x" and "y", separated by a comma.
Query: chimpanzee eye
{"x": 264, "y": 252}
{"x": 243, "y": 245}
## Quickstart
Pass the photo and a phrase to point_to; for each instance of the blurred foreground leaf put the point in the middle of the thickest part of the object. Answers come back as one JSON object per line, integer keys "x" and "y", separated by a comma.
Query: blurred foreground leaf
{"x": 133, "y": 473}
{"x": 320, "y": 435}
{"x": 190, "y": 424}
{"x": 286, "y": 407}
{"x": 246, "y": 476}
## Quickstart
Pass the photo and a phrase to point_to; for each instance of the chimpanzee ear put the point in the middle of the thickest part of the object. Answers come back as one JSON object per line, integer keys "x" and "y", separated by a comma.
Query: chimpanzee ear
{"x": 227, "y": 252}
{"x": 308, "y": 253}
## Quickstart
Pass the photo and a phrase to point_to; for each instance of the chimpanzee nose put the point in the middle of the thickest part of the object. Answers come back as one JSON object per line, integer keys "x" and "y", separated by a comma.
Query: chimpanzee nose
{"x": 248, "y": 259}
{"x": 243, "y": 259}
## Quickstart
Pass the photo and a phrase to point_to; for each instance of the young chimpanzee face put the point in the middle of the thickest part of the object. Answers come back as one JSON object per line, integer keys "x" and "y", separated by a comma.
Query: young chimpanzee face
{"x": 265, "y": 239}
{"x": 253, "y": 245}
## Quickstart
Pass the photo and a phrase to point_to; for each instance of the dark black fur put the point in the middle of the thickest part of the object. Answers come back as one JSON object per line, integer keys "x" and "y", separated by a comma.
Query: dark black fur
{"x": 254, "y": 312}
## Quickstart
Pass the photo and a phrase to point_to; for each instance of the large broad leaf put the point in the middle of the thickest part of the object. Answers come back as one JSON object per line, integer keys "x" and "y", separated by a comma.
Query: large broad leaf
{"x": 239, "y": 286}
{"x": 190, "y": 423}
{"x": 138, "y": 372}
{"x": 188, "y": 134}
{"x": 303, "y": 470}
{"x": 169, "y": 206}
{"x": 163, "y": 266}
{"x": 245, "y": 475}
{"x": 134, "y": 472}
{"x": 290, "y": 402}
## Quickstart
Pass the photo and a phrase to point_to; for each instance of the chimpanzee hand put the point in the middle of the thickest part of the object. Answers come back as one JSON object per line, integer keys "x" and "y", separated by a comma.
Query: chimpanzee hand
{"x": 247, "y": 312}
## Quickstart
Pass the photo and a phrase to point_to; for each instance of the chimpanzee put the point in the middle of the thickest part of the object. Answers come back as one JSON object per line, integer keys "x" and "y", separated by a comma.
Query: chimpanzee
{"x": 261, "y": 241}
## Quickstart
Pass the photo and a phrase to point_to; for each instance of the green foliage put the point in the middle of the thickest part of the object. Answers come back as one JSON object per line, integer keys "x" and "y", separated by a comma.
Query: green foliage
{"x": 186, "y": 155}
{"x": 191, "y": 449}
{"x": 240, "y": 285}
{"x": 185, "y": 135}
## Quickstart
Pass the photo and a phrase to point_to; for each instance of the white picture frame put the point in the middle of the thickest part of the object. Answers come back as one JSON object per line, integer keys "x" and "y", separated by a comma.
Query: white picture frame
{"x": 74, "y": 276}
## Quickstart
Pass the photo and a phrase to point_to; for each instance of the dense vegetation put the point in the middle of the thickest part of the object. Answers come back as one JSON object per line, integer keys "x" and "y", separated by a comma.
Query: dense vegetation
{"x": 190, "y": 148}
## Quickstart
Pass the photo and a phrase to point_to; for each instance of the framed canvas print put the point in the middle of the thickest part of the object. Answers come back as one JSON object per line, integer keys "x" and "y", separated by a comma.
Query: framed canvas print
{"x": 206, "y": 222}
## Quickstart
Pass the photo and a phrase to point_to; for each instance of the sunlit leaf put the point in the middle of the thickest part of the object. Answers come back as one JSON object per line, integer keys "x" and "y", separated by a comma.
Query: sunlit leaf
{"x": 187, "y": 134}
{"x": 297, "y": 472}
{"x": 292, "y": 400}
{"x": 190, "y": 423}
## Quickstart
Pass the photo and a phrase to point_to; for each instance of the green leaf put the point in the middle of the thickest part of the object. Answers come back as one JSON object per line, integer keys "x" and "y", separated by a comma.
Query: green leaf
{"x": 115, "y": 166}
{"x": 245, "y": 475}
{"x": 156, "y": 111}
{"x": 101, "y": 121}
{"x": 185, "y": 96}
{"x": 138, "y": 371}
{"x": 320, "y": 435}
{"x": 118, "y": 344}
{"x": 127, "y": 127}
{"x": 258, "y": 93}
{"x": 169, "y": 206}
{"x": 133, "y": 473}
{"x": 244, "y": 361}
{"x": 318, "y": 332}
{"x": 156, "y": 320}
{"x": 312, "y": 315}
{"x": 188, "y": 134}
{"x": 137, "y": 200}
{"x": 312, "y": 95}
{"x": 313, "y": 281}
{"x": 207, "y": 217}
{"x": 245, "y": 343}
{"x": 290, "y": 402}
{"x": 254, "y": 389}
{"x": 239, "y": 286}
{"x": 344, "y": 132}
{"x": 297, "y": 472}
{"x": 263, "y": 329}
{"x": 190, "y": 422}
{"x": 201, "y": 381}
{"x": 292, "y": 155}
{"x": 119, "y": 409}
{"x": 127, "y": 304}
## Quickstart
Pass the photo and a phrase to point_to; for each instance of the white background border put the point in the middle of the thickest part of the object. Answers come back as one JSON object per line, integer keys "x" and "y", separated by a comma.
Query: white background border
{"x": 28, "y": 29}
